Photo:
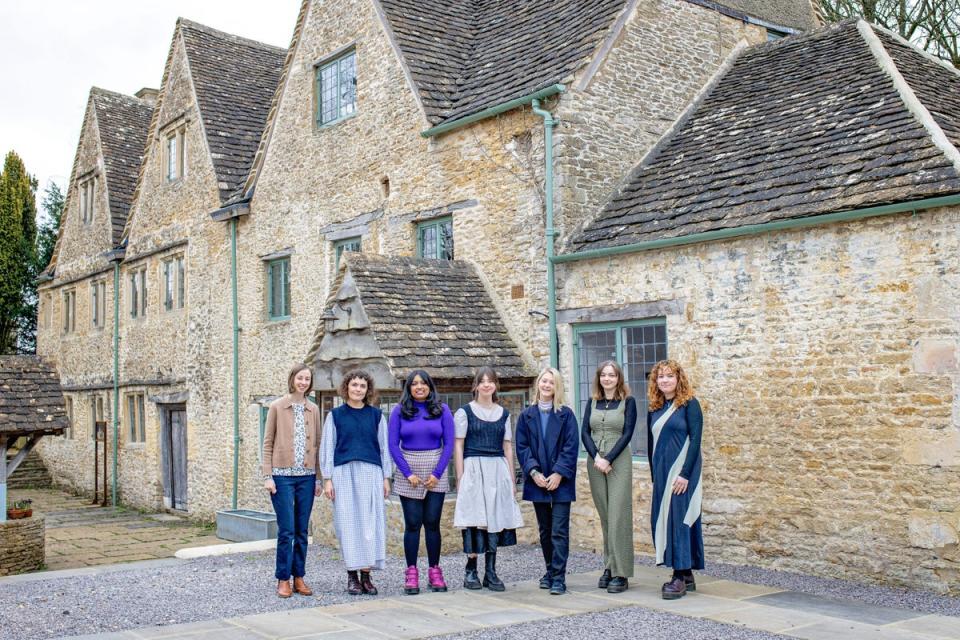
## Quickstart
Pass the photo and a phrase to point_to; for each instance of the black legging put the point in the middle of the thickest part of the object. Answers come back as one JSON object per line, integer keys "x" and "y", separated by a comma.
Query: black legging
{"x": 422, "y": 513}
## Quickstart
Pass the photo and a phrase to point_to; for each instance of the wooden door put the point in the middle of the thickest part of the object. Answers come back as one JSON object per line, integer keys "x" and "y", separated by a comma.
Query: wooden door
{"x": 173, "y": 457}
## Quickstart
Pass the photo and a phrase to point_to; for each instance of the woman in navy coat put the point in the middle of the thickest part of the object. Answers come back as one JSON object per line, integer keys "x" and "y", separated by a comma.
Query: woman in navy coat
{"x": 547, "y": 444}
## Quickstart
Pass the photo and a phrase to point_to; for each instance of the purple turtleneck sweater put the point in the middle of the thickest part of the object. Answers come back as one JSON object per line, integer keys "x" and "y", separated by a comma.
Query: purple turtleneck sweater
{"x": 421, "y": 434}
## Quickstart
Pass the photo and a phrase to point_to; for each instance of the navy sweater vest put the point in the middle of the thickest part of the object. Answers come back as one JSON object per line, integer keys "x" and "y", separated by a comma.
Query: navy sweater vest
{"x": 357, "y": 435}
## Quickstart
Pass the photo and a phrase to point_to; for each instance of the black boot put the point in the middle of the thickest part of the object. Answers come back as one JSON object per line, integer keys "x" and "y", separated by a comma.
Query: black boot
{"x": 470, "y": 578}
{"x": 490, "y": 579}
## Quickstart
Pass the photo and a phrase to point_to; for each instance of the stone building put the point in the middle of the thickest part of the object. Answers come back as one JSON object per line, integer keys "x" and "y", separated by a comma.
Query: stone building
{"x": 795, "y": 244}
{"x": 416, "y": 132}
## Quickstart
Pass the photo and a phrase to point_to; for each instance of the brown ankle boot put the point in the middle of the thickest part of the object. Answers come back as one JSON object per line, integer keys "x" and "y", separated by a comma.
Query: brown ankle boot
{"x": 283, "y": 589}
{"x": 353, "y": 584}
{"x": 367, "y": 585}
{"x": 301, "y": 587}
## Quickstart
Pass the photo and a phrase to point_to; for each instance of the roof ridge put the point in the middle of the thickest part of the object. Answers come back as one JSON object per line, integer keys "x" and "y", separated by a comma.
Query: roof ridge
{"x": 196, "y": 26}
{"x": 907, "y": 94}
{"x": 108, "y": 93}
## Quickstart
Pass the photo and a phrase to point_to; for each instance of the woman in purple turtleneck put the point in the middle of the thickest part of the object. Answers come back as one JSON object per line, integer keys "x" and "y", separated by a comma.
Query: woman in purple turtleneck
{"x": 421, "y": 439}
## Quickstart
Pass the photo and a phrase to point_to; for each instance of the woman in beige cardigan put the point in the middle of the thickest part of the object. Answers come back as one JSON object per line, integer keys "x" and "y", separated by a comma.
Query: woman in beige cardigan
{"x": 290, "y": 462}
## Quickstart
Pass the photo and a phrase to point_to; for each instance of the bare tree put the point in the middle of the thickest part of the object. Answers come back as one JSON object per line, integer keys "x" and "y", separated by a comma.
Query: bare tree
{"x": 932, "y": 25}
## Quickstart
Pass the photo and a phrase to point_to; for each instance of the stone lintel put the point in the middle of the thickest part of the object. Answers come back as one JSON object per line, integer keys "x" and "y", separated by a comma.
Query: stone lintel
{"x": 621, "y": 312}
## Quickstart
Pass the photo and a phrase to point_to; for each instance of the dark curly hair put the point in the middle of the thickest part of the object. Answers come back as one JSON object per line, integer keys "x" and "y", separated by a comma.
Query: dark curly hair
{"x": 370, "y": 398}
{"x": 407, "y": 408}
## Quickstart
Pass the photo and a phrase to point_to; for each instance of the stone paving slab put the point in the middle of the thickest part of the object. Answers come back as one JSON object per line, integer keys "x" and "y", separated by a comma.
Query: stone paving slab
{"x": 79, "y": 534}
{"x": 846, "y": 610}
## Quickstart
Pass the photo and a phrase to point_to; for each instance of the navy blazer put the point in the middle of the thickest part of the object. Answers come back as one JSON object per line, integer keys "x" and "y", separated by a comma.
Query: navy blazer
{"x": 562, "y": 433}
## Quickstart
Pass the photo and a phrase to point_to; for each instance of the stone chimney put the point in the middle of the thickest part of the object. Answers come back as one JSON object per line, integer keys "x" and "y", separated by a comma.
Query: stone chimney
{"x": 148, "y": 95}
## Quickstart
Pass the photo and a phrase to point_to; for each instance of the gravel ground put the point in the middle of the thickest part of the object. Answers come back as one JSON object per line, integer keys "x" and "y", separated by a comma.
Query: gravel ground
{"x": 214, "y": 587}
{"x": 632, "y": 622}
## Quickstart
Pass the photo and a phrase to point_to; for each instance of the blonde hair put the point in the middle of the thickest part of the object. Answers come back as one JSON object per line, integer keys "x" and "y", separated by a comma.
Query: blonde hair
{"x": 620, "y": 392}
{"x": 558, "y": 398}
{"x": 684, "y": 392}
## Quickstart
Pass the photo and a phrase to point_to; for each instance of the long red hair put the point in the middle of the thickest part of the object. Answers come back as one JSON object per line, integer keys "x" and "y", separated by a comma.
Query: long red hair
{"x": 655, "y": 397}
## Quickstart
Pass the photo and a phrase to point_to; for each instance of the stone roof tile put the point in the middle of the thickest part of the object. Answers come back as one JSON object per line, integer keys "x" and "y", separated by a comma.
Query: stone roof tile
{"x": 30, "y": 397}
{"x": 808, "y": 125}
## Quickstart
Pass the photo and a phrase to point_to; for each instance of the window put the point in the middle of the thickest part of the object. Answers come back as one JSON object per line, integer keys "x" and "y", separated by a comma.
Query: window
{"x": 97, "y": 413}
{"x": 774, "y": 34}
{"x": 435, "y": 239}
{"x": 278, "y": 289}
{"x": 174, "y": 155}
{"x": 637, "y": 346}
{"x": 98, "y": 303}
{"x": 264, "y": 410}
{"x": 138, "y": 293}
{"x": 337, "y": 89}
{"x": 87, "y": 193}
{"x": 69, "y": 311}
{"x": 68, "y": 405}
{"x": 350, "y": 244}
{"x": 174, "y": 289}
{"x": 136, "y": 418}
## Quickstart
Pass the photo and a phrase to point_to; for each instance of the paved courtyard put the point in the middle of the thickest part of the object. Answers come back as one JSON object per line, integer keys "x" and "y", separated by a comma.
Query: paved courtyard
{"x": 79, "y": 534}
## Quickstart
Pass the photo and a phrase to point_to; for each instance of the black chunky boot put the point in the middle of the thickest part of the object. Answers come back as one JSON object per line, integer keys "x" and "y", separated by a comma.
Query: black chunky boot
{"x": 470, "y": 578}
{"x": 490, "y": 579}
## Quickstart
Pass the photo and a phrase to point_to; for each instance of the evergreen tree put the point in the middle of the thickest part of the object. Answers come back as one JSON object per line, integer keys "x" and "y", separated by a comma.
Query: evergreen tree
{"x": 52, "y": 204}
{"x": 18, "y": 229}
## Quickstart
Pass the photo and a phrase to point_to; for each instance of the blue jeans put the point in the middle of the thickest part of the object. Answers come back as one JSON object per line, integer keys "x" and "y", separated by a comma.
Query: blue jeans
{"x": 292, "y": 503}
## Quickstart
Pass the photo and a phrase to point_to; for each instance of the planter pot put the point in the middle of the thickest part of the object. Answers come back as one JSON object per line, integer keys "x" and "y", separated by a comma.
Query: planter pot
{"x": 17, "y": 514}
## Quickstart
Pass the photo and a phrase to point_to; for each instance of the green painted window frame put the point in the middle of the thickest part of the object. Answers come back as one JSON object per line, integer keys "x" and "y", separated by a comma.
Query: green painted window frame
{"x": 347, "y": 244}
{"x": 638, "y": 388}
{"x": 264, "y": 410}
{"x": 340, "y": 63}
{"x": 283, "y": 313}
{"x": 439, "y": 249}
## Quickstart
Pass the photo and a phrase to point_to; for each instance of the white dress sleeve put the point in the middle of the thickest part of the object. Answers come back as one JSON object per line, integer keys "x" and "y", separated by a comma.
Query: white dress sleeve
{"x": 328, "y": 444}
{"x": 508, "y": 431}
{"x": 460, "y": 423}
{"x": 386, "y": 462}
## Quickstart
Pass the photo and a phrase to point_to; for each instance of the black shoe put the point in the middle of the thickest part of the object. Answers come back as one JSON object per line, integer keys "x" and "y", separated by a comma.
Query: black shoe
{"x": 617, "y": 585}
{"x": 673, "y": 589}
{"x": 471, "y": 580}
{"x": 604, "y": 579}
{"x": 558, "y": 588}
{"x": 546, "y": 580}
{"x": 490, "y": 579}
{"x": 690, "y": 583}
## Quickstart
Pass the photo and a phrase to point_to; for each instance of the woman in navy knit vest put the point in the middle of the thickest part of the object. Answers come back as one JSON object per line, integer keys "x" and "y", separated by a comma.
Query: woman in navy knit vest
{"x": 356, "y": 467}
{"x": 421, "y": 443}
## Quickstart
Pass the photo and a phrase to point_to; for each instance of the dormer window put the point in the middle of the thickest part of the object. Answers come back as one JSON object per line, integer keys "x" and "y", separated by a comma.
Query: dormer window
{"x": 174, "y": 154}
{"x": 336, "y": 88}
{"x": 87, "y": 193}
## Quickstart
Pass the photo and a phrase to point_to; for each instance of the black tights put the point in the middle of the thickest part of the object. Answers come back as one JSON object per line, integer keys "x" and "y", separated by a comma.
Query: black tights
{"x": 682, "y": 573}
{"x": 422, "y": 513}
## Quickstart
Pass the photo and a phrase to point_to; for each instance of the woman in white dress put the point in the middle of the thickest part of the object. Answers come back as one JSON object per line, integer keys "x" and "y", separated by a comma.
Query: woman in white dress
{"x": 356, "y": 466}
{"x": 487, "y": 510}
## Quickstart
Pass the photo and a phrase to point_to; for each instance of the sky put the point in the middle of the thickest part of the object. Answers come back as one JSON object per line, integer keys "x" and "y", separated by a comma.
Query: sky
{"x": 53, "y": 51}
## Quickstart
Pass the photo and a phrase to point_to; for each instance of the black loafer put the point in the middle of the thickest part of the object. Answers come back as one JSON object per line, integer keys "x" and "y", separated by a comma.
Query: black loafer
{"x": 546, "y": 581}
{"x": 558, "y": 588}
{"x": 617, "y": 585}
{"x": 604, "y": 579}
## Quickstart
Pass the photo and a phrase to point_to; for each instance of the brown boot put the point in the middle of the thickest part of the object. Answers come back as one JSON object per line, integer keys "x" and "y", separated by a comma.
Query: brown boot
{"x": 367, "y": 585}
{"x": 301, "y": 587}
{"x": 283, "y": 589}
{"x": 674, "y": 589}
{"x": 353, "y": 584}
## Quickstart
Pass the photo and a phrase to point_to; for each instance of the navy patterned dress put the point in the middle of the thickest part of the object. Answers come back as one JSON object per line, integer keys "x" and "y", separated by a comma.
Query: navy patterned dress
{"x": 673, "y": 440}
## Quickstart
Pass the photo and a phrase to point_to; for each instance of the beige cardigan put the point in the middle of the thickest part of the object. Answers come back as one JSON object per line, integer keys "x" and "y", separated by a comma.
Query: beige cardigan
{"x": 278, "y": 437}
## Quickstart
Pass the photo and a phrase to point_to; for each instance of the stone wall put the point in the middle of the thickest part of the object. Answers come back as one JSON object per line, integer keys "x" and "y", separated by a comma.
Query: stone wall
{"x": 21, "y": 545}
{"x": 826, "y": 361}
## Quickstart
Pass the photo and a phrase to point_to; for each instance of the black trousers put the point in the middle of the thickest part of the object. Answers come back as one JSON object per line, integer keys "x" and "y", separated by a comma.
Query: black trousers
{"x": 553, "y": 520}
{"x": 423, "y": 514}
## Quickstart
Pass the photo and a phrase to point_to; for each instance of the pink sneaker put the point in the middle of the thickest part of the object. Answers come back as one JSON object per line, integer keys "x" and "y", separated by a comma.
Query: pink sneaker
{"x": 411, "y": 583}
{"x": 435, "y": 578}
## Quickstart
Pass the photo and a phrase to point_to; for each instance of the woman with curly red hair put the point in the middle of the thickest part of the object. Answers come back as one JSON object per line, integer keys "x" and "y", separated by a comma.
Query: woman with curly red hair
{"x": 674, "y": 430}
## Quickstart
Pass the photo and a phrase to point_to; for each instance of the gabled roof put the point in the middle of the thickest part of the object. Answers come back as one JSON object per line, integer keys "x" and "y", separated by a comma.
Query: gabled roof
{"x": 123, "y": 122}
{"x": 467, "y": 56}
{"x": 31, "y": 401}
{"x": 234, "y": 79}
{"x": 842, "y": 118}
{"x": 432, "y": 314}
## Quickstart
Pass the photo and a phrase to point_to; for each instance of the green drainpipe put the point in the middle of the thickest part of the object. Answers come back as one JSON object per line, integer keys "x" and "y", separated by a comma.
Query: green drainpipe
{"x": 548, "y": 124}
{"x": 236, "y": 363}
{"x": 116, "y": 372}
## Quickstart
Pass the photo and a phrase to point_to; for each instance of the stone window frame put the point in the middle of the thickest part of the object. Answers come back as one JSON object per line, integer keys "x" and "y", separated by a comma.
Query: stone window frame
{"x": 174, "y": 152}
{"x": 173, "y": 271}
{"x": 138, "y": 292}
{"x": 621, "y": 353}
{"x": 335, "y": 61}
{"x": 99, "y": 411}
{"x": 68, "y": 408}
{"x": 284, "y": 264}
{"x": 439, "y": 249}
{"x": 86, "y": 191}
{"x": 136, "y": 430}
{"x": 354, "y": 243}
{"x": 68, "y": 311}
{"x": 98, "y": 303}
